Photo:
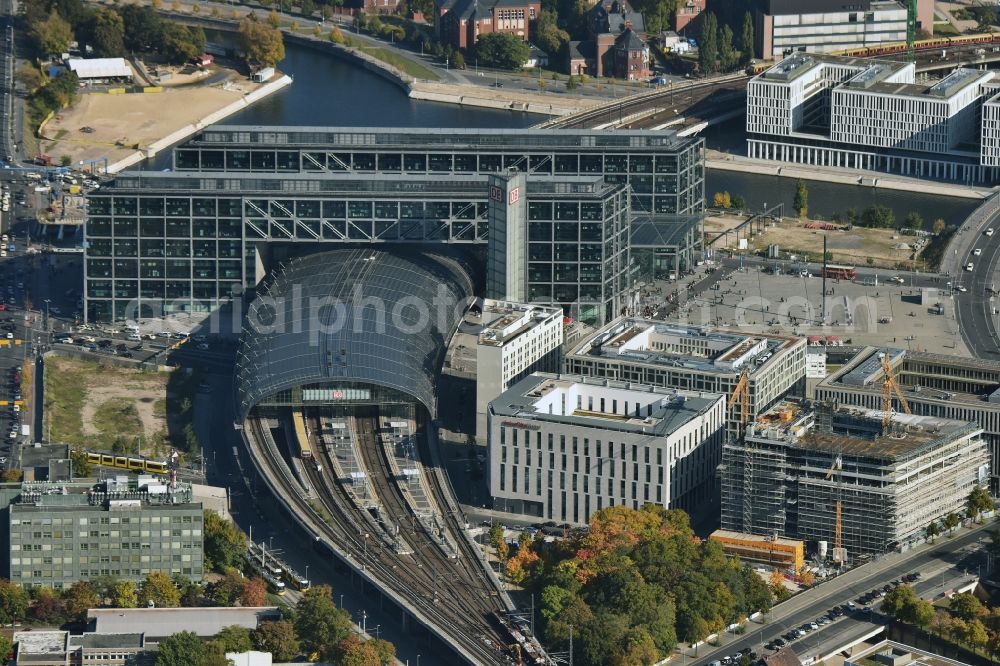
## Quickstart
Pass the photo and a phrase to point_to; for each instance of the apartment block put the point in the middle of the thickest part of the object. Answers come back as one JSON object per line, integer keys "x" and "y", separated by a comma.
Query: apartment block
{"x": 564, "y": 446}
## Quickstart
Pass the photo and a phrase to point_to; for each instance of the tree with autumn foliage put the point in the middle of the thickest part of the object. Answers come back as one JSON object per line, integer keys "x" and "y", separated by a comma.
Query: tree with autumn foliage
{"x": 254, "y": 592}
{"x": 521, "y": 562}
{"x": 634, "y": 585}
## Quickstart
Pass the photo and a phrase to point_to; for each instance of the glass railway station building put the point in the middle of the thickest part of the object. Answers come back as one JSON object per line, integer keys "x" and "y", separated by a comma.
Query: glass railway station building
{"x": 547, "y": 216}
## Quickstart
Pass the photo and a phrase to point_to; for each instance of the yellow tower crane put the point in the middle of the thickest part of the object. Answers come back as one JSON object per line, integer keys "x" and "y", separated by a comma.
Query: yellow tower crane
{"x": 890, "y": 387}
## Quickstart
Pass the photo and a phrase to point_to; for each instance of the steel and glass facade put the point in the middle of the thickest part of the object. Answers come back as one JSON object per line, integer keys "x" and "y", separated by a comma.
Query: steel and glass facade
{"x": 664, "y": 171}
{"x": 163, "y": 243}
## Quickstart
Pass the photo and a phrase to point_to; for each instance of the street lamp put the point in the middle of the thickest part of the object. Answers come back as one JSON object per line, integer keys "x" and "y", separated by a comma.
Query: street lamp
{"x": 341, "y": 601}
{"x": 307, "y": 572}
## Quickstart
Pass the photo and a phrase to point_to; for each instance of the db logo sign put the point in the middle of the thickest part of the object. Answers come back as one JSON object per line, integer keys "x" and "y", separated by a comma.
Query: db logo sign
{"x": 515, "y": 196}
{"x": 496, "y": 193}
{"x": 338, "y": 395}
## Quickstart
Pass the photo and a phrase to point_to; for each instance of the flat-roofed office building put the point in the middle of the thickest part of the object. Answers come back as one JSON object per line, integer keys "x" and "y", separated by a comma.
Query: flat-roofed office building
{"x": 664, "y": 171}
{"x": 164, "y": 243}
{"x": 63, "y": 533}
{"x": 694, "y": 358}
{"x": 564, "y": 446}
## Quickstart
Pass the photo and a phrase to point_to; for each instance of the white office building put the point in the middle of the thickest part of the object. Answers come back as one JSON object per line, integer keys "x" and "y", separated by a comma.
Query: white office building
{"x": 562, "y": 446}
{"x": 872, "y": 115}
{"x": 825, "y": 26}
{"x": 515, "y": 339}
{"x": 694, "y": 358}
{"x": 989, "y": 133}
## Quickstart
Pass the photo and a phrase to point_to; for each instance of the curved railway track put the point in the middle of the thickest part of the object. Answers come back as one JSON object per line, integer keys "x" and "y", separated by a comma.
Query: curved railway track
{"x": 453, "y": 630}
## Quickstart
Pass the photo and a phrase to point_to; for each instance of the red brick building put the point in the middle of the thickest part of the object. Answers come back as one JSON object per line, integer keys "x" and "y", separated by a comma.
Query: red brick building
{"x": 461, "y": 22}
{"x": 630, "y": 57}
{"x": 687, "y": 11}
{"x": 617, "y": 45}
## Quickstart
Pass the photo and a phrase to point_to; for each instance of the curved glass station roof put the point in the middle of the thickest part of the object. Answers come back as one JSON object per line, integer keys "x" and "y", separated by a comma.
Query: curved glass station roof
{"x": 370, "y": 316}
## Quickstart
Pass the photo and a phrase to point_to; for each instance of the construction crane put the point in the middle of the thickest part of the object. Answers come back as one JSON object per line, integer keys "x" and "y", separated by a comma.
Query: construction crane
{"x": 837, "y": 466}
{"x": 742, "y": 393}
{"x": 911, "y": 29}
{"x": 890, "y": 387}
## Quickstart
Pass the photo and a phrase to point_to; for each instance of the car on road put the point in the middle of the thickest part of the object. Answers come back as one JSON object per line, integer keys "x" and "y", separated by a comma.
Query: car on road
{"x": 978, "y": 251}
{"x": 989, "y": 232}
{"x": 203, "y": 346}
{"x": 970, "y": 266}
{"x": 961, "y": 289}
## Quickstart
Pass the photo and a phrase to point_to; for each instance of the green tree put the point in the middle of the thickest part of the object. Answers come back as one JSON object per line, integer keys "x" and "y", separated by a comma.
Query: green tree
{"x": 708, "y": 46}
{"x": 951, "y": 521}
{"x": 78, "y": 599}
{"x": 932, "y": 531}
{"x": 181, "y": 43}
{"x": 182, "y": 649}
{"x": 746, "y": 40}
{"x": 318, "y": 622}
{"x": 738, "y": 202}
{"x": 728, "y": 56}
{"x": 125, "y": 595}
{"x": 224, "y": 542}
{"x": 234, "y": 638}
{"x": 307, "y": 7}
{"x": 914, "y": 221}
{"x": 801, "y": 201}
{"x": 502, "y": 50}
{"x": 458, "y": 60}
{"x": 897, "y": 600}
{"x": 160, "y": 590}
{"x": 46, "y": 607}
{"x": 923, "y": 613}
{"x": 976, "y": 635}
{"x": 107, "y": 33}
{"x": 261, "y": 43}
{"x": 547, "y": 34}
{"x": 53, "y": 35}
{"x": 965, "y": 606}
{"x": 878, "y": 217}
{"x": 571, "y": 83}
{"x": 278, "y": 638}
{"x": 143, "y": 28}
{"x": 228, "y": 589}
{"x": 979, "y": 502}
{"x": 81, "y": 468}
{"x": 13, "y": 602}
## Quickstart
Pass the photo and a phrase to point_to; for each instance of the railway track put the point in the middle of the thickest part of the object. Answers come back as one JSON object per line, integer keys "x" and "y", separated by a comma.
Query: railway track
{"x": 386, "y": 576}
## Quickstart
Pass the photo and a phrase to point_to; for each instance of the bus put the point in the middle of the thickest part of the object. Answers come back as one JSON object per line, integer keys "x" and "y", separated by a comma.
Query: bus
{"x": 839, "y": 272}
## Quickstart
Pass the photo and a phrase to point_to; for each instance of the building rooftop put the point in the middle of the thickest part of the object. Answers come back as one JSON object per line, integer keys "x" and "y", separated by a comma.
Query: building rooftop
{"x": 864, "y": 371}
{"x": 855, "y": 432}
{"x": 117, "y": 493}
{"x": 943, "y": 89}
{"x": 302, "y": 184}
{"x": 35, "y": 455}
{"x": 160, "y": 622}
{"x": 41, "y": 642}
{"x": 345, "y": 138}
{"x": 552, "y": 398}
{"x": 504, "y": 321}
{"x": 904, "y": 654}
{"x": 695, "y": 347}
{"x": 108, "y": 641}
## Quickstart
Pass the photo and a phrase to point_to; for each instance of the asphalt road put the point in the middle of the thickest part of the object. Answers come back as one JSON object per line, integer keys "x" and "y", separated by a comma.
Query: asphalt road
{"x": 976, "y": 320}
{"x": 813, "y": 603}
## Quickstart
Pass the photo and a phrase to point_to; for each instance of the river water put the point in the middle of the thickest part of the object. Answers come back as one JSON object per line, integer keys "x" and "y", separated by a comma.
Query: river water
{"x": 329, "y": 91}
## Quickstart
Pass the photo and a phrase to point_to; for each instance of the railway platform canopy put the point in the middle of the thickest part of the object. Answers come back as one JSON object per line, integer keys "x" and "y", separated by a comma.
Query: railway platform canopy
{"x": 349, "y": 327}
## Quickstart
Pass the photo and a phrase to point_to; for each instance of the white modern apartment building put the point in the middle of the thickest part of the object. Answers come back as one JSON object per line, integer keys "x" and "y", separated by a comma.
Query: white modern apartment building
{"x": 989, "y": 135}
{"x": 824, "y": 26}
{"x": 694, "y": 358}
{"x": 562, "y": 446}
{"x": 515, "y": 339}
{"x": 873, "y": 115}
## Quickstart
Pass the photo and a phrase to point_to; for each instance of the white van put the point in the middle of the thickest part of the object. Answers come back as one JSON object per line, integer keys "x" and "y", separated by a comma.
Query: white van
{"x": 134, "y": 337}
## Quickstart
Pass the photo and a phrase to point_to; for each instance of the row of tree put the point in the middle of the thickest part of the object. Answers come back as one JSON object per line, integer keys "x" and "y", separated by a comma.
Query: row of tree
{"x": 717, "y": 52}
{"x": 633, "y": 586}
{"x": 316, "y": 628}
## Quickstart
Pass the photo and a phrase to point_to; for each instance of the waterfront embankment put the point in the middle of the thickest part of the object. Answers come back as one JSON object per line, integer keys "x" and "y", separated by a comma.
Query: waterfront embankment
{"x": 727, "y": 162}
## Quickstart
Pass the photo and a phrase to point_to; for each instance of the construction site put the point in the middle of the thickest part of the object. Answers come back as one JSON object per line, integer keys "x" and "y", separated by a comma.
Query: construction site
{"x": 849, "y": 482}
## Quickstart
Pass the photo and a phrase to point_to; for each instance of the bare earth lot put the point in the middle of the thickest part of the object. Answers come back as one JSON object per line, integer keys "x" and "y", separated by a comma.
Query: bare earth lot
{"x": 105, "y": 407}
{"x": 853, "y": 247}
{"x": 122, "y": 124}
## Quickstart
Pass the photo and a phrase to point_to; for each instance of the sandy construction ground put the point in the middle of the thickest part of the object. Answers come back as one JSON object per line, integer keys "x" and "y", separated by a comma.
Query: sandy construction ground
{"x": 122, "y": 124}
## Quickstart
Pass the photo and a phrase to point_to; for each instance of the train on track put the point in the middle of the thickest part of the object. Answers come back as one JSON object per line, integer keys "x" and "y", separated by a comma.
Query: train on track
{"x": 128, "y": 462}
{"x": 264, "y": 570}
{"x": 991, "y": 39}
{"x": 301, "y": 436}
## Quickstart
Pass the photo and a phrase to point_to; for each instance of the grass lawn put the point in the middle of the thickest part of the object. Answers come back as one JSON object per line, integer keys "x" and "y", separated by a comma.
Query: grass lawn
{"x": 945, "y": 30}
{"x": 411, "y": 67}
